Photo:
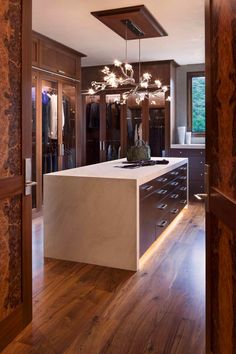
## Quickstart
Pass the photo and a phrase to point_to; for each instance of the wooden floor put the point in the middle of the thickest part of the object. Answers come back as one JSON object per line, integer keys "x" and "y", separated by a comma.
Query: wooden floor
{"x": 89, "y": 309}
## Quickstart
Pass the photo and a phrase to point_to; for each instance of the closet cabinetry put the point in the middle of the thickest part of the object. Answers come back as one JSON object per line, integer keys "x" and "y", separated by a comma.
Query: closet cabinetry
{"x": 55, "y": 57}
{"x": 196, "y": 168}
{"x": 56, "y": 131}
{"x": 119, "y": 126}
{"x": 103, "y": 127}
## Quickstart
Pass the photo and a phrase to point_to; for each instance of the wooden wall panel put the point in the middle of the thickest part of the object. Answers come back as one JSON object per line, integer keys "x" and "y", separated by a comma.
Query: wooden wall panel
{"x": 223, "y": 309}
{"x": 221, "y": 155}
{"x": 223, "y": 72}
{"x": 10, "y": 260}
{"x": 10, "y": 154}
{"x": 10, "y": 87}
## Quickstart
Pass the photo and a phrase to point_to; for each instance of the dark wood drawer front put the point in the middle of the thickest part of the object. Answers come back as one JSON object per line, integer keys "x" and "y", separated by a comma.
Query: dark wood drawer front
{"x": 163, "y": 184}
{"x": 196, "y": 159}
{"x": 196, "y": 174}
{"x": 187, "y": 153}
{"x": 147, "y": 223}
{"x": 196, "y": 187}
{"x": 146, "y": 189}
{"x": 161, "y": 224}
{"x": 161, "y": 200}
{"x": 183, "y": 170}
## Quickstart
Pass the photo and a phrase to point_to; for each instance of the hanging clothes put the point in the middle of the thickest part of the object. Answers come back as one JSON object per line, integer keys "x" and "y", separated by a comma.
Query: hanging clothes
{"x": 119, "y": 152}
{"x": 46, "y": 107}
{"x": 109, "y": 153}
{"x": 129, "y": 126}
{"x": 66, "y": 120}
{"x": 53, "y": 116}
{"x": 94, "y": 115}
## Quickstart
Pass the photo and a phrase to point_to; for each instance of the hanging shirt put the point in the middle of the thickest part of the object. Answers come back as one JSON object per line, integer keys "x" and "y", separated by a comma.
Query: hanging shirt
{"x": 53, "y": 116}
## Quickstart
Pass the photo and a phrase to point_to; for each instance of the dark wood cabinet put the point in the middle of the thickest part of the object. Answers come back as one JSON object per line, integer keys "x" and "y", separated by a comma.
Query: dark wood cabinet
{"x": 196, "y": 168}
{"x": 56, "y": 111}
{"x": 58, "y": 60}
{"x": 161, "y": 200}
{"x": 55, "y": 57}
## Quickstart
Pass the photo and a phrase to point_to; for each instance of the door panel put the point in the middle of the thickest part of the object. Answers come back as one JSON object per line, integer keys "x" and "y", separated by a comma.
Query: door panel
{"x": 93, "y": 135}
{"x": 15, "y": 146}
{"x": 34, "y": 140}
{"x": 69, "y": 126}
{"x": 221, "y": 156}
{"x": 112, "y": 143}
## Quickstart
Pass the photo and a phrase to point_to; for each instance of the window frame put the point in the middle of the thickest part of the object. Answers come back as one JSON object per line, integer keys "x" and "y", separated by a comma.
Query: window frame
{"x": 191, "y": 75}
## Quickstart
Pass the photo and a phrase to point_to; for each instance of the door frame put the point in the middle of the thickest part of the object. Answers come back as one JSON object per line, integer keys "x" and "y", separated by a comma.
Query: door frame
{"x": 22, "y": 315}
{"x": 221, "y": 208}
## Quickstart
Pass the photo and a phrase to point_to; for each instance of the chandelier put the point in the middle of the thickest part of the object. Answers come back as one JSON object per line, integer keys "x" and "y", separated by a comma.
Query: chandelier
{"x": 123, "y": 76}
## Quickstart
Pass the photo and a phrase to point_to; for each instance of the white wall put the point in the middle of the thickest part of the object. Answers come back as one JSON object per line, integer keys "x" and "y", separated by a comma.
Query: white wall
{"x": 181, "y": 97}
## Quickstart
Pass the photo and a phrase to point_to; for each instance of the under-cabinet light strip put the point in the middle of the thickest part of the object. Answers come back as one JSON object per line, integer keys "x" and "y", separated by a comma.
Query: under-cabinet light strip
{"x": 53, "y": 73}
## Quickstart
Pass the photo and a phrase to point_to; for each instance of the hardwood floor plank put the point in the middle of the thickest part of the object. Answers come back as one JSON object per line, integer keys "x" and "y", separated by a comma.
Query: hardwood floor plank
{"x": 88, "y": 309}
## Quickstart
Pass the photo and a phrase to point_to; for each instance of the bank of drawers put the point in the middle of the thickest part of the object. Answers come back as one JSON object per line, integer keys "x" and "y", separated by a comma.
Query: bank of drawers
{"x": 196, "y": 168}
{"x": 161, "y": 200}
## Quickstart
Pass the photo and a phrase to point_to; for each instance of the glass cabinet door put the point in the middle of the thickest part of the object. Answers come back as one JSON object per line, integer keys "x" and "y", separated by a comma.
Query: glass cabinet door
{"x": 112, "y": 144}
{"x": 49, "y": 127}
{"x": 92, "y": 117}
{"x": 157, "y": 125}
{"x": 68, "y": 126}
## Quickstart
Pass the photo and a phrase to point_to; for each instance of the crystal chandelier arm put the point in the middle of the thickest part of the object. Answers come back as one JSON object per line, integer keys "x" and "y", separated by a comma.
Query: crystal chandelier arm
{"x": 125, "y": 70}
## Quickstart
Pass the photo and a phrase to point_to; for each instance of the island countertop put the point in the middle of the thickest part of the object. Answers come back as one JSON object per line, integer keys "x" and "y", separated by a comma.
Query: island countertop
{"x": 112, "y": 169}
{"x": 92, "y": 213}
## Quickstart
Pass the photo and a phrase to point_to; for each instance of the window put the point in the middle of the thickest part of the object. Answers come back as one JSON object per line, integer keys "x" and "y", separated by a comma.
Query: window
{"x": 196, "y": 103}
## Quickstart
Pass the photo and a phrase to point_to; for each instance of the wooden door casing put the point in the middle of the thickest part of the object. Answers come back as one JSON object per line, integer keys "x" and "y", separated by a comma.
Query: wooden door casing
{"x": 15, "y": 146}
{"x": 221, "y": 156}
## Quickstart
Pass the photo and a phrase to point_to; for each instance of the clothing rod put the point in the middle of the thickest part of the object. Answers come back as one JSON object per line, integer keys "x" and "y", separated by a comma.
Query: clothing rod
{"x": 53, "y": 73}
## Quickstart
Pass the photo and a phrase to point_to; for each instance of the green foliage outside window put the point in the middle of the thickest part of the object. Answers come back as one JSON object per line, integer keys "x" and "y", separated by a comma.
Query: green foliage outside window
{"x": 198, "y": 105}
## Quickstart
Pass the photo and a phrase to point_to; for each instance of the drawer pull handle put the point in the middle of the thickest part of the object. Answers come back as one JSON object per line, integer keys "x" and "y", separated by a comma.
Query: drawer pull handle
{"x": 174, "y": 183}
{"x": 149, "y": 188}
{"x": 162, "y": 179}
{"x": 61, "y": 72}
{"x": 162, "y": 191}
{"x": 174, "y": 211}
{"x": 183, "y": 188}
{"x": 183, "y": 178}
{"x": 183, "y": 201}
{"x": 174, "y": 196}
{"x": 162, "y": 223}
{"x": 162, "y": 206}
{"x": 183, "y": 168}
{"x": 174, "y": 173}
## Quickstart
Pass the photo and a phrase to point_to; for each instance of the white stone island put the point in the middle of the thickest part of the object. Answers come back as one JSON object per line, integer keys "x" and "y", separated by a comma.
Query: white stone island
{"x": 91, "y": 213}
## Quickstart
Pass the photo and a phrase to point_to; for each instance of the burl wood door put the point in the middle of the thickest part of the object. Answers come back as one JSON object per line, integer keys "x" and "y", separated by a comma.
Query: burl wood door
{"x": 15, "y": 147}
{"x": 221, "y": 157}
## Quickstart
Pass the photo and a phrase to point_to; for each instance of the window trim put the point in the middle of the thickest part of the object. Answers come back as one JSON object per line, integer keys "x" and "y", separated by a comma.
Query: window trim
{"x": 190, "y": 75}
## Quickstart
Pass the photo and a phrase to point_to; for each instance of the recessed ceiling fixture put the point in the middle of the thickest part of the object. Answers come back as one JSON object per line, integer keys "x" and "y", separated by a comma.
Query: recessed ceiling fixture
{"x": 134, "y": 22}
